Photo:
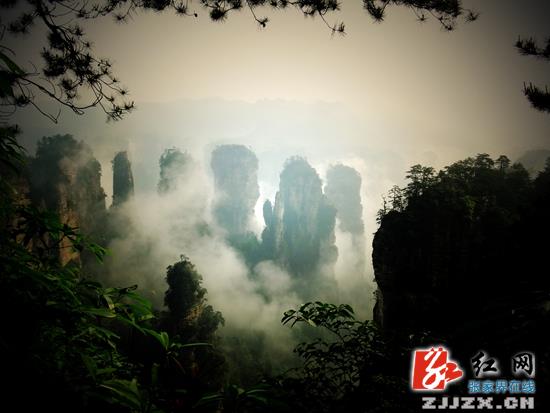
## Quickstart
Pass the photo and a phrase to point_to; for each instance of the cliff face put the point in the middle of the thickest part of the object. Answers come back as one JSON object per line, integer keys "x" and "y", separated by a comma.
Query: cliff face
{"x": 343, "y": 190}
{"x": 300, "y": 225}
{"x": 235, "y": 170}
{"x": 123, "y": 179}
{"x": 174, "y": 166}
{"x": 461, "y": 254}
{"x": 65, "y": 178}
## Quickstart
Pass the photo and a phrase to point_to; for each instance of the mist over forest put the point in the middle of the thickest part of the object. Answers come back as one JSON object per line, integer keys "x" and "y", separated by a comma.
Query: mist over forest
{"x": 325, "y": 208}
{"x": 307, "y": 241}
{"x": 258, "y": 234}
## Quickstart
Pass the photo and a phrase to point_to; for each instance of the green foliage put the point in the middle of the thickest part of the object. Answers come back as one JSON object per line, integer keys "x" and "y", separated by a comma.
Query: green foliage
{"x": 466, "y": 256}
{"x": 190, "y": 320}
{"x": 189, "y": 317}
{"x": 66, "y": 331}
{"x": 249, "y": 357}
{"x": 62, "y": 160}
{"x": 127, "y": 394}
{"x": 420, "y": 178}
{"x": 466, "y": 184}
{"x": 477, "y": 229}
{"x": 184, "y": 288}
{"x": 333, "y": 365}
{"x": 123, "y": 180}
{"x": 234, "y": 399}
{"x": 65, "y": 176}
{"x": 66, "y": 339}
{"x": 12, "y": 161}
{"x": 350, "y": 369}
{"x": 11, "y": 153}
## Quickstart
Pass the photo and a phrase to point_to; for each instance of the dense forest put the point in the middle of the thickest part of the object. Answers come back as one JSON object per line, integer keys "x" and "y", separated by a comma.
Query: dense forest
{"x": 452, "y": 245}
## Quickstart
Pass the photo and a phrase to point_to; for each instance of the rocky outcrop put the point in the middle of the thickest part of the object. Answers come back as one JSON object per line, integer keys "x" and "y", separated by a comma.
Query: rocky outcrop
{"x": 343, "y": 190}
{"x": 300, "y": 225}
{"x": 235, "y": 169}
{"x": 123, "y": 179}
{"x": 461, "y": 257}
{"x": 175, "y": 165}
{"x": 66, "y": 178}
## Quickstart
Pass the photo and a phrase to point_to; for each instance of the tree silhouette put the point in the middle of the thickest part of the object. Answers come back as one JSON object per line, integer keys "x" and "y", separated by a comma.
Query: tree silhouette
{"x": 468, "y": 229}
{"x": 71, "y": 70}
{"x": 189, "y": 316}
{"x": 539, "y": 98}
{"x": 421, "y": 177}
{"x": 184, "y": 288}
{"x": 191, "y": 320}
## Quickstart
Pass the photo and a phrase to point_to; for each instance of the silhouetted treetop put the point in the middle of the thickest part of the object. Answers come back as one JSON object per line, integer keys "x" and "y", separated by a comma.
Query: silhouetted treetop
{"x": 477, "y": 226}
{"x": 539, "y": 97}
{"x": 184, "y": 288}
{"x": 464, "y": 180}
{"x": 189, "y": 316}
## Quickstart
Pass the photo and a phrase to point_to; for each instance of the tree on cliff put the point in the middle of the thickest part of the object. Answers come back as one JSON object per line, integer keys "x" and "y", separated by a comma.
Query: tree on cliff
{"x": 123, "y": 179}
{"x": 466, "y": 256}
{"x": 191, "y": 319}
{"x": 65, "y": 177}
{"x": 185, "y": 298}
{"x": 71, "y": 70}
{"x": 62, "y": 160}
{"x": 476, "y": 229}
{"x": 174, "y": 164}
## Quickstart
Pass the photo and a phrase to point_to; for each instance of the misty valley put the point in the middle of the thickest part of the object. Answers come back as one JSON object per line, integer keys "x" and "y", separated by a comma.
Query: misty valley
{"x": 179, "y": 300}
{"x": 273, "y": 206}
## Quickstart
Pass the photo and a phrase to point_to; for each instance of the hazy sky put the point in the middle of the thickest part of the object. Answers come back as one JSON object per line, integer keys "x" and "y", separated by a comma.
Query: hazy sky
{"x": 459, "y": 87}
{"x": 412, "y": 82}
